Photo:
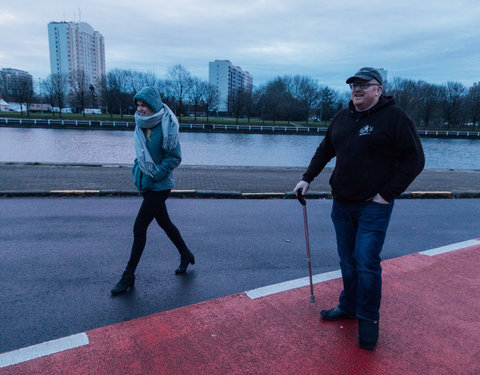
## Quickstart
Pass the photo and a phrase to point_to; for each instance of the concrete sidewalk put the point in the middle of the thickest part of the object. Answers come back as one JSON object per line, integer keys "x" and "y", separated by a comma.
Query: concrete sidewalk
{"x": 21, "y": 179}
{"x": 429, "y": 325}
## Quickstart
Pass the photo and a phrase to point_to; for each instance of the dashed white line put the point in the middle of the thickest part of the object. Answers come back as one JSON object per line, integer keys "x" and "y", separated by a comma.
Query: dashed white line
{"x": 81, "y": 339}
{"x": 292, "y": 284}
{"x": 298, "y": 283}
{"x": 452, "y": 247}
{"x": 43, "y": 349}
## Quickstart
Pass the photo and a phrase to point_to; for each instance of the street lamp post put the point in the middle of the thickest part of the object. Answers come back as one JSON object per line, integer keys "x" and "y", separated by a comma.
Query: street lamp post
{"x": 41, "y": 96}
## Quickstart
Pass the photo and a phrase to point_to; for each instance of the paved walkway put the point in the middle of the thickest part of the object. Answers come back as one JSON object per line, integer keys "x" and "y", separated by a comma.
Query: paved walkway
{"x": 430, "y": 325}
{"x": 210, "y": 181}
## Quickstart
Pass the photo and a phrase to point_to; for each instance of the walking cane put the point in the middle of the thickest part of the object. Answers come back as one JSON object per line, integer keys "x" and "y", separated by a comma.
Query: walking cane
{"x": 302, "y": 201}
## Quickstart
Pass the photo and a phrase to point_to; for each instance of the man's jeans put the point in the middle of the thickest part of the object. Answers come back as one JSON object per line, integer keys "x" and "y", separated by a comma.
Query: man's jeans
{"x": 361, "y": 229}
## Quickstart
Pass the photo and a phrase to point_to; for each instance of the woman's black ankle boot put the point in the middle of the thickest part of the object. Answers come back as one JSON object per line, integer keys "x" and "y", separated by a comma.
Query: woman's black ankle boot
{"x": 186, "y": 258}
{"x": 127, "y": 281}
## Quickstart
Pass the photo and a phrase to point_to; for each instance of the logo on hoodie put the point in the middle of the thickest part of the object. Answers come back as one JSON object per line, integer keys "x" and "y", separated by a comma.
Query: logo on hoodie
{"x": 366, "y": 130}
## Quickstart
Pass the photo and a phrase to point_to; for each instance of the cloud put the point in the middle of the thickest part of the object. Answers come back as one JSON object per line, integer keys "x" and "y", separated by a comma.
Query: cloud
{"x": 327, "y": 40}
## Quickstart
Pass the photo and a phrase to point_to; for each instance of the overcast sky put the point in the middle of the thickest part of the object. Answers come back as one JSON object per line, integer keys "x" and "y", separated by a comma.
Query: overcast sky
{"x": 434, "y": 41}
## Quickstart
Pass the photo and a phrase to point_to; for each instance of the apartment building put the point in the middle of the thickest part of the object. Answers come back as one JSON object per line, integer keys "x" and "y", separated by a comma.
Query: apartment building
{"x": 15, "y": 82}
{"x": 76, "y": 47}
{"x": 228, "y": 79}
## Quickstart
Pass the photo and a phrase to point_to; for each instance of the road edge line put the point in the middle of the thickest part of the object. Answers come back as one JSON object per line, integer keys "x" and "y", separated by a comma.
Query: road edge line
{"x": 452, "y": 247}
{"x": 291, "y": 284}
{"x": 43, "y": 349}
{"x": 304, "y": 281}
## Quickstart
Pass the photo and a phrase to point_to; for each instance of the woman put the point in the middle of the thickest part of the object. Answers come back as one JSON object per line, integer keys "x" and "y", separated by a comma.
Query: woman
{"x": 157, "y": 155}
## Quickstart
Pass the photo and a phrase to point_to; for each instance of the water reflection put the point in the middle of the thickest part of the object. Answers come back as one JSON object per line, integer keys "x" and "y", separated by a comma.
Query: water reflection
{"x": 116, "y": 147}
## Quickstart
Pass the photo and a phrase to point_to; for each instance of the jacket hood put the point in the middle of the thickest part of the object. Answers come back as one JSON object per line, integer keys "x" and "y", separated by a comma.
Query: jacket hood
{"x": 151, "y": 96}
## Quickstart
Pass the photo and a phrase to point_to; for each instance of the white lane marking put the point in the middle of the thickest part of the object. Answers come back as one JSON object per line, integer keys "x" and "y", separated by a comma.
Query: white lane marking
{"x": 43, "y": 349}
{"x": 292, "y": 284}
{"x": 81, "y": 339}
{"x": 452, "y": 247}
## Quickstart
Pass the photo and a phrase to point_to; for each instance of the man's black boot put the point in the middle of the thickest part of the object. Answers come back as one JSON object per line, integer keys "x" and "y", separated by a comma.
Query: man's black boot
{"x": 335, "y": 314}
{"x": 367, "y": 334}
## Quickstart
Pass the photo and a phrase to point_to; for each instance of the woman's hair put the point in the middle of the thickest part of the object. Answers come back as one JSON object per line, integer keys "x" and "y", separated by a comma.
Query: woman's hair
{"x": 136, "y": 103}
{"x": 151, "y": 96}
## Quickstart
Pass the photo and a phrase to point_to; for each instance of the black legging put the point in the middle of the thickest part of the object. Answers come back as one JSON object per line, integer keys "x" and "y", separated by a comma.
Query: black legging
{"x": 153, "y": 207}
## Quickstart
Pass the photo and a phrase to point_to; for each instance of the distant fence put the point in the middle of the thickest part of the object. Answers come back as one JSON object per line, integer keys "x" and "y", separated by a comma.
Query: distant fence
{"x": 205, "y": 128}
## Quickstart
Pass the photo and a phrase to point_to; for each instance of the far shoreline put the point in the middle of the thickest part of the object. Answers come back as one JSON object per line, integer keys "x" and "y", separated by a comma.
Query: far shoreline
{"x": 292, "y": 128}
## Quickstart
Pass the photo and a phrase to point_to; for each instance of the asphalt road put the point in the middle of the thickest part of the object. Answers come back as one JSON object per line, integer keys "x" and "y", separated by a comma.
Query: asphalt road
{"x": 61, "y": 256}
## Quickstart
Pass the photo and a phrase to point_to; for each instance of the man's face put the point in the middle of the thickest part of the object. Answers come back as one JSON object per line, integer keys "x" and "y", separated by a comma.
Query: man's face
{"x": 365, "y": 94}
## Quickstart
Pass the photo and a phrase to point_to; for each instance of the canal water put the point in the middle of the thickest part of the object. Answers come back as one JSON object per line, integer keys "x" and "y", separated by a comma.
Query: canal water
{"x": 116, "y": 147}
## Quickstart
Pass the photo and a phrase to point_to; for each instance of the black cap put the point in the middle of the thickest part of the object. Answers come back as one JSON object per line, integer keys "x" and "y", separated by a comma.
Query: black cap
{"x": 366, "y": 74}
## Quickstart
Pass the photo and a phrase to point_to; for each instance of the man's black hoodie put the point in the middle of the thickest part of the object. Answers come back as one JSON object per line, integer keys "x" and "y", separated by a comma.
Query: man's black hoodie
{"x": 377, "y": 151}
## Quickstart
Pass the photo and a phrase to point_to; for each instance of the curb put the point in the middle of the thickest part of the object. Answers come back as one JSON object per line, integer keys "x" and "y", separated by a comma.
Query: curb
{"x": 209, "y": 194}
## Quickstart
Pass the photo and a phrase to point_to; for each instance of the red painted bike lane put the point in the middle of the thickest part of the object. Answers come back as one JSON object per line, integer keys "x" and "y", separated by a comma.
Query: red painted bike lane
{"x": 430, "y": 324}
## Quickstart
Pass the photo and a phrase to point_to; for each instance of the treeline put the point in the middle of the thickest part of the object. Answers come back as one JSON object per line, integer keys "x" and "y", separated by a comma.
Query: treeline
{"x": 450, "y": 105}
{"x": 288, "y": 98}
{"x": 297, "y": 98}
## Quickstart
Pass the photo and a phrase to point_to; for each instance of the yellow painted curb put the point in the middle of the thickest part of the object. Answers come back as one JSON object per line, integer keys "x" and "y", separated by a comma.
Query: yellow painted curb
{"x": 75, "y": 191}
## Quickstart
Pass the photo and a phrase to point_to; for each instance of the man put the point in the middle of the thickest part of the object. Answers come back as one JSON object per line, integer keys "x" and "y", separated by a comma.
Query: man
{"x": 378, "y": 154}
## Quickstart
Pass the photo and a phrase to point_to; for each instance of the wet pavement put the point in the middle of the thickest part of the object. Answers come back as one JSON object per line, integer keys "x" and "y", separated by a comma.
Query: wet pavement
{"x": 19, "y": 179}
{"x": 273, "y": 329}
{"x": 279, "y": 332}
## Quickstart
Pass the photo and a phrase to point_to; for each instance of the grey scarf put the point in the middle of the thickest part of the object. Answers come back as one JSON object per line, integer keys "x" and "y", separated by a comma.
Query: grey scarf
{"x": 170, "y": 128}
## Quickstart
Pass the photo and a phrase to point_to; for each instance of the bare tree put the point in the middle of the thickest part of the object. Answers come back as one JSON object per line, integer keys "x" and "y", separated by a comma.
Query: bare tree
{"x": 115, "y": 93}
{"x": 135, "y": 80}
{"x": 79, "y": 89}
{"x": 289, "y": 102}
{"x": 23, "y": 93}
{"x": 55, "y": 88}
{"x": 48, "y": 90}
{"x": 196, "y": 93}
{"x": 60, "y": 84}
{"x": 328, "y": 104}
{"x": 473, "y": 104}
{"x": 210, "y": 98}
{"x": 238, "y": 100}
{"x": 93, "y": 96}
{"x": 180, "y": 84}
{"x": 405, "y": 93}
{"x": 249, "y": 104}
{"x": 260, "y": 101}
{"x": 277, "y": 97}
{"x": 453, "y": 103}
{"x": 429, "y": 97}
{"x": 343, "y": 99}
{"x": 307, "y": 92}
{"x": 164, "y": 87}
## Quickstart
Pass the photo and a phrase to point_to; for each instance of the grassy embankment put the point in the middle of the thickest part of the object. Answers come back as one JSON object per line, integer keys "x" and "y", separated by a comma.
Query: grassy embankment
{"x": 203, "y": 120}
{"x": 184, "y": 120}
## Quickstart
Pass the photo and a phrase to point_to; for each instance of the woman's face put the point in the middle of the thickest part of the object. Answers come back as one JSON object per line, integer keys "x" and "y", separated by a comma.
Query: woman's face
{"x": 143, "y": 108}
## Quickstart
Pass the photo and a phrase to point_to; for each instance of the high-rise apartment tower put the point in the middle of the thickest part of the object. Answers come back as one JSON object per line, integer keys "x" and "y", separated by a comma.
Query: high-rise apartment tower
{"x": 76, "y": 47}
{"x": 228, "y": 79}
